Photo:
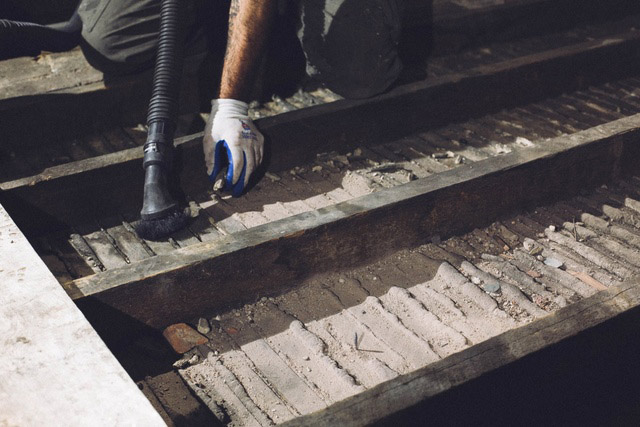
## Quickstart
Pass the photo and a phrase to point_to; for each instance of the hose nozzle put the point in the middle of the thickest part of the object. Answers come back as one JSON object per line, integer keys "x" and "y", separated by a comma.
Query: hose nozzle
{"x": 157, "y": 163}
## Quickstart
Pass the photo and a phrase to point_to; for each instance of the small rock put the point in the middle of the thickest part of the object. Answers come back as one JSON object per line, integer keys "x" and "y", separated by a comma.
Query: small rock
{"x": 194, "y": 209}
{"x": 552, "y": 262}
{"x": 534, "y": 274}
{"x": 444, "y": 155}
{"x": 185, "y": 363}
{"x": 357, "y": 152}
{"x": 272, "y": 176}
{"x": 306, "y": 358}
{"x": 475, "y": 280}
{"x": 491, "y": 287}
{"x": 203, "y": 326}
{"x": 181, "y": 364}
{"x": 528, "y": 244}
{"x": 552, "y": 228}
{"x": 342, "y": 159}
{"x": 535, "y": 251}
{"x": 317, "y": 168}
{"x": 218, "y": 185}
{"x": 524, "y": 141}
{"x": 458, "y": 160}
{"x": 183, "y": 337}
{"x": 502, "y": 149}
{"x": 341, "y": 280}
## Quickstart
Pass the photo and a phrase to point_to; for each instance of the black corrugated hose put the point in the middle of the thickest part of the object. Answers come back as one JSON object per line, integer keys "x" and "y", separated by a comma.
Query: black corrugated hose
{"x": 160, "y": 213}
{"x": 29, "y": 39}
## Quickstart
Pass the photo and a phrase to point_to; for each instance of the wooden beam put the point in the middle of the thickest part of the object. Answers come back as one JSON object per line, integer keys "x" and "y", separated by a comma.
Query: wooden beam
{"x": 112, "y": 184}
{"x": 274, "y": 257}
{"x": 458, "y": 25}
{"x": 418, "y": 388}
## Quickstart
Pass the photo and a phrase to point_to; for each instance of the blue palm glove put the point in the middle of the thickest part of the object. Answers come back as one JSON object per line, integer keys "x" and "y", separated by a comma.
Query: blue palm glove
{"x": 231, "y": 138}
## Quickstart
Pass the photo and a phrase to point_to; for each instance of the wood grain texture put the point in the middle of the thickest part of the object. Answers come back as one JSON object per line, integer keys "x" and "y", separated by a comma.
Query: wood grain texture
{"x": 268, "y": 259}
{"x": 103, "y": 186}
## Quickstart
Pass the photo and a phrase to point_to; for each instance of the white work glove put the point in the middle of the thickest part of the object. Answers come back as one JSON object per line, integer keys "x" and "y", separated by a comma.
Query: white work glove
{"x": 231, "y": 133}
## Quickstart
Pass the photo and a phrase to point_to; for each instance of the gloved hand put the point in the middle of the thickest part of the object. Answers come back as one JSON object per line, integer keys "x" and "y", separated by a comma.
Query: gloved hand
{"x": 230, "y": 131}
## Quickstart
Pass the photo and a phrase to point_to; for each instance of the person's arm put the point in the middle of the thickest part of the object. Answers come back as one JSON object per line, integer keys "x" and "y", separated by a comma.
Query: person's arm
{"x": 249, "y": 24}
{"x": 230, "y": 132}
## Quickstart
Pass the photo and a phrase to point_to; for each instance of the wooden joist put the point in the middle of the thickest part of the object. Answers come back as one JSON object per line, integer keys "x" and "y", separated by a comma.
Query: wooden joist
{"x": 459, "y": 24}
{"x": 73, "y": 98}
{"x": 105, "y": 186}
{"x": 271, "y": 258}
{"x": 539, "y": 348}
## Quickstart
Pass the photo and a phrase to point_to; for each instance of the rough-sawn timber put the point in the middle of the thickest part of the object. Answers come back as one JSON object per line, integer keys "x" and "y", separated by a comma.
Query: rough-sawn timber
{"x": 270, "y": 258}
{"x": 104, "y": 186}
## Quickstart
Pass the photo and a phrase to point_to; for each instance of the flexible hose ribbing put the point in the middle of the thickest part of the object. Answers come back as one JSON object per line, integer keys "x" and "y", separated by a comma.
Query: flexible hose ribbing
{"x": 166, "y": 79}
{"x": 163, "y": 109}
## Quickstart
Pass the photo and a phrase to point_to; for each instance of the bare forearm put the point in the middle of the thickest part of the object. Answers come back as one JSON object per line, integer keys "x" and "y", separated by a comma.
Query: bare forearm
{"x": 249, "y": 24}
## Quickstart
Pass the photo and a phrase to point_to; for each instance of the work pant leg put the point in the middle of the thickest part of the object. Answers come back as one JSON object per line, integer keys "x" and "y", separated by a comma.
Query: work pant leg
{"x": 121, "y": 36}
{"x": 352, "y": 45}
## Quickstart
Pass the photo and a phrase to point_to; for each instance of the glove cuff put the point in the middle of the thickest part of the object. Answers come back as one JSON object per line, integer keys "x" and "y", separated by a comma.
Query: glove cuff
{"x": 230, "y": 108}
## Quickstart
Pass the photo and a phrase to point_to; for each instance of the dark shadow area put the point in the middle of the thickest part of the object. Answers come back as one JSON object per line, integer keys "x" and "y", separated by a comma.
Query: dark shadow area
{"x": 40, "y": 11}
{"x": 457, "y": 28}
{"x": 148, "y": 359}
{"x": 592, "y": 379}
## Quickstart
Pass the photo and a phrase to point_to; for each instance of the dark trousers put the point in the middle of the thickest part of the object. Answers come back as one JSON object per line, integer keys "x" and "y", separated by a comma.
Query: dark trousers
{"x": 350, "y": 45}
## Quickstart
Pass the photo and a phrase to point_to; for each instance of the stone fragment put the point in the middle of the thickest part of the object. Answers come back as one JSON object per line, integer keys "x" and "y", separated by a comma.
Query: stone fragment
{"x": 524, "y": 141}
{"x": 443, "y": 155}
{"x": 534, "y": 274}
{"x": 203, "y": 326}
{"x": 183, "y": 337}
{"x": 342, "y": 159}
{"x": 186, "y": 362}
{"x": 553, "y": 262}
{"x": 272, "y": 176}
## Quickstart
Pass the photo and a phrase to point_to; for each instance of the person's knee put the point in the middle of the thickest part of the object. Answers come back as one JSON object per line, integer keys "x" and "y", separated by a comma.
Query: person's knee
{"x": 120, "y": 36}
{"x": 353, "y": 50}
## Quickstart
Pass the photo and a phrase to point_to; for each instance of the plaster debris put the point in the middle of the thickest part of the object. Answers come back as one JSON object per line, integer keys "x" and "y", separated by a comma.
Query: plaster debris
{"x": 524, "y": 142}
{"x": 272, "y": 176}
{"x": 186, "y": 362}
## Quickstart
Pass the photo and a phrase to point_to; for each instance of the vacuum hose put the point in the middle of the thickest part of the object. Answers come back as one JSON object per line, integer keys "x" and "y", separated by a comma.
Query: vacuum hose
{"x": 163, "y": 108}
{"x": 29, "y": 39}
